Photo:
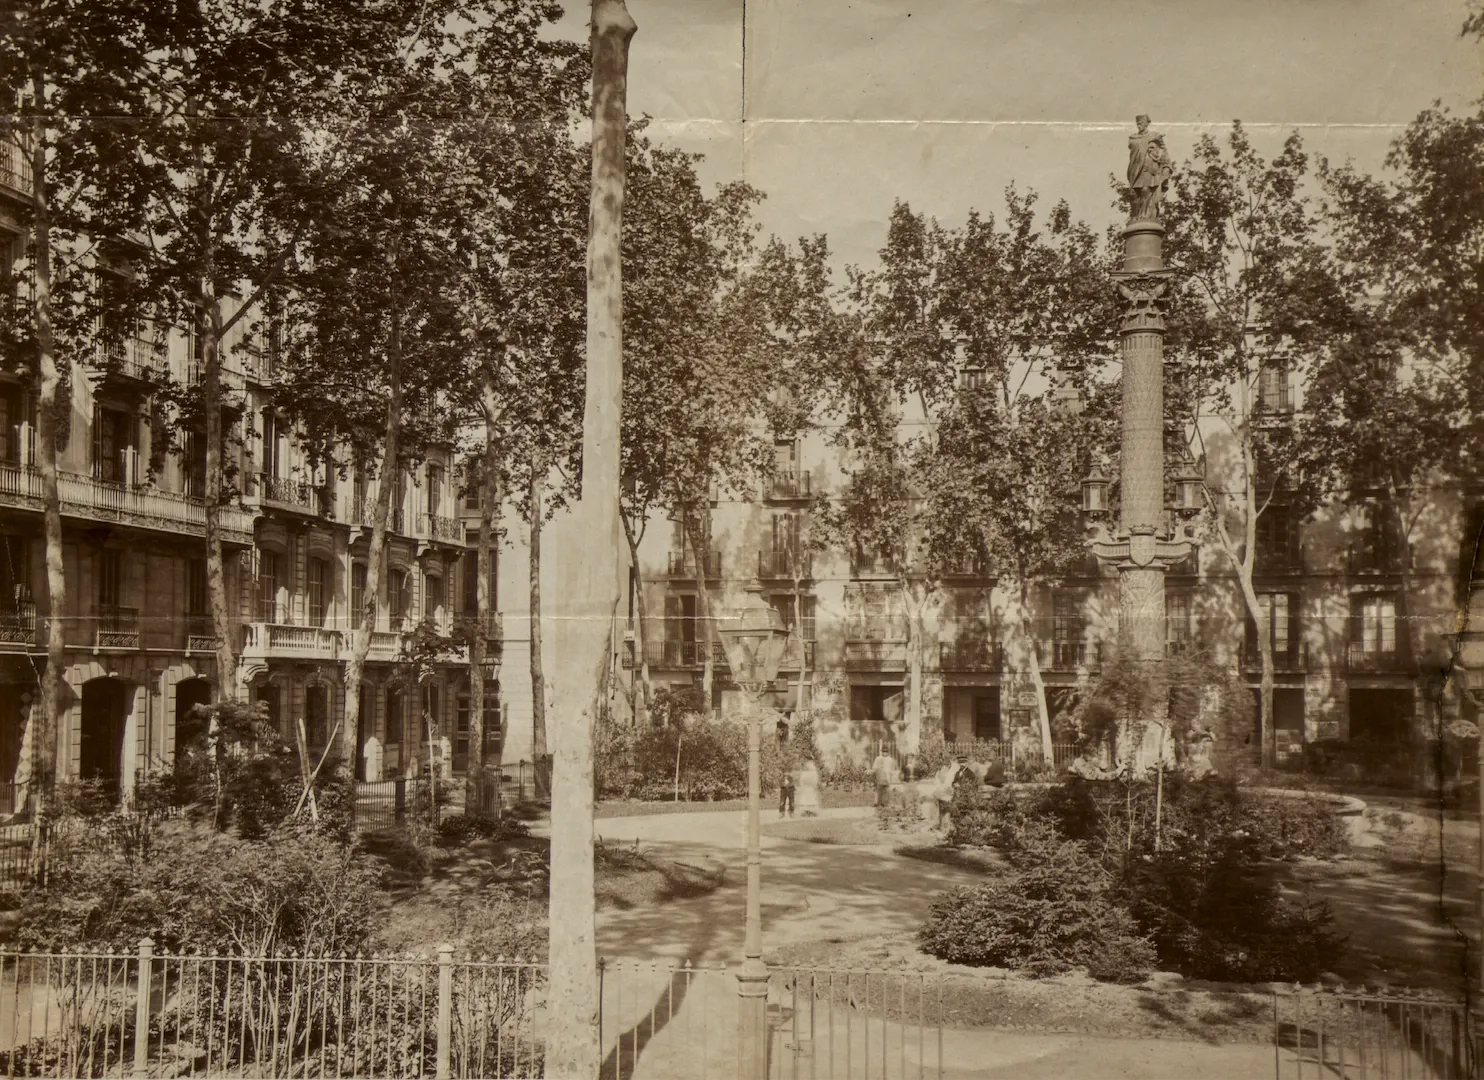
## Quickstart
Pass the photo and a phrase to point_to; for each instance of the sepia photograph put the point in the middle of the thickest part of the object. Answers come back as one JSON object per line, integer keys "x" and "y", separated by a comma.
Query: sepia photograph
{"x": 742, "y": 539}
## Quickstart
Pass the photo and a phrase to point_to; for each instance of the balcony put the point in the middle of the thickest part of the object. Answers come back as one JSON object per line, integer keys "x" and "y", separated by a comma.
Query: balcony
{"x": 133, "y": 357}
{"x": 493, "y": 625}
{"x": 142, "y": 507}
{"x": 1368, "y": 659}
{"x": 299, "y": 496}
{"x": 971, "y": 567}
{"x": 787, "y": 565}
{"x": 448, "y": 530}
{"x": 783, "y": 486}
{"x": 970, "y": 655}
{"x": 116, "y": 628}
{"x": 1292, "y": 658}
{"x": 1367, "y": 559}
{"x": 876, "y": 655}
{"x": 200, "y": 634}
{"x": 797, "y": 655}
{"x": 683, "y": 564}
{"x": 683, "y": 654}
{"x": 872, "y": 566}
{"x": 1071, "y": 655}
{"x": 15, "y": 164}
{"x": 363, "y": 512}
{"x": 274, "y": 640}
{"x": 18, "y": 624}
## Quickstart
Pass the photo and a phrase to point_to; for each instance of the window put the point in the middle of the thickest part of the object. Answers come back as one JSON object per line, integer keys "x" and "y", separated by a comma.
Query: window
{"x": 316, "y": 714}
{"x": 1373, "y": 624}
{"x": 271, "y": 436}
{"x": 110, "y": 579}
{"x": 399, "y": 595}
{"x": 393, "y": 716}
{"x": 1278, "y": 611}
{"x": 15, "y": 422}
{"x": 435, "y": 490}
{"x": 785, "y": 456}
{"x": 1068, "y": 630}
{"x": 318, "y": 573}
{"x": 973, "y": 379}
{"x": 469, "y": 568}
{"x": 115, "y": 438}
{"x": 15, "y": 574}
{"x": 492, "y": 741}
{"x": 785, "y": 532}
{"x": 1179, "y": 625}
{"x": 873, "y": 613}
{"x": 1278, "y": 540}
{"x": 197, "y": 600}
{"x": 1378, "y": 544}
{"x": 433, "y": 600}
{"x": 357, "y": 592}
{"x": 193, "y": 464}
{"x": 267, "y": 586}
{"x": 1273, "y": 392}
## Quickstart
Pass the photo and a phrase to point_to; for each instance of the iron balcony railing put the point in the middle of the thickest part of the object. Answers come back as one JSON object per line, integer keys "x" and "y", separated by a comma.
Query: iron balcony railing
{"x": 683, "y": 564}
{"x": 15, "y": 163}
{"x": 792, "y": 484}
{"x": 1071, "y": 655}
{"x": 1293, "y": 656}
{"x": 200, "y": 634}
{"x": 785, "y": 564}
{"x": 117, "y": 628}
{"x": 683, "y": 654}
{"x": 441, "y": 527}
{"x": 363, "y": 512}
{"x": 18, "y": 624}
{"x": 970, "y": 655}
{"x": 1362, "y": 657}
{"x": 1369, "y": 559}
{"x": 883, "y": 628}
{"x": 141, "y": 506}
{"x": 134, "y": 356}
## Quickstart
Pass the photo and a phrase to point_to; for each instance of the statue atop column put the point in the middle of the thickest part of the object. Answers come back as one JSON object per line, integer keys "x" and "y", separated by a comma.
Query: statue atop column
{"x": 1149, "y": 171}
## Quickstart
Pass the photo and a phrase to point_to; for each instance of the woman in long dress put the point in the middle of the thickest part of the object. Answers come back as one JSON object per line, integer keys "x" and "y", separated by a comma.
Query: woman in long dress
{"x": 806, "y": 790}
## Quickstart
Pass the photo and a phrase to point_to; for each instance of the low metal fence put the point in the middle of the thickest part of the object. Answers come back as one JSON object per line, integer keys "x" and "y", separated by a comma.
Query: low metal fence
{"x": 150, "y": 1014}
{"x": 1343, "y": 1035}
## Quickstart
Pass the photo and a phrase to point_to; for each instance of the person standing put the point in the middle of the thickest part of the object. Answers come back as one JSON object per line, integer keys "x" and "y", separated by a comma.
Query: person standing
{"x": 786, "y": 790}
{"x": 883, "y": 770}
{"x": 808, "y": 789}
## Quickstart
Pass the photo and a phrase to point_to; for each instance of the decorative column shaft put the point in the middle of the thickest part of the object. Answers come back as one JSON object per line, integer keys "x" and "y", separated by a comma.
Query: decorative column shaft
{"x": 1140, "y": 549}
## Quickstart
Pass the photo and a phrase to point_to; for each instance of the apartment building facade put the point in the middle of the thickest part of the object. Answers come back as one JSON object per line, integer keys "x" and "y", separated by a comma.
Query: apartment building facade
{"x": 1358, "y": 615}
{"x": 140, "y": 640}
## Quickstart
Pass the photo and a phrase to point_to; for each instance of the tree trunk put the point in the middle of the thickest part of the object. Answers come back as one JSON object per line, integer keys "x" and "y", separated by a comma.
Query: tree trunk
{"x": 483, "y": 613}
{"x": 641, "y": 629}
{"x": 914, "y": 671}
{"x": 1043, "y": 709}
{"x": 799, "y": 631}
{"x": 375, "y": 555}
{"x": 1267, "y": 734}
{"x": 209, "y": 322}
{"x": 48, "y": 710}
{"x": 703, "y": 605}
{"x": 538, "y": 669}
{"x": 591, "y": 559}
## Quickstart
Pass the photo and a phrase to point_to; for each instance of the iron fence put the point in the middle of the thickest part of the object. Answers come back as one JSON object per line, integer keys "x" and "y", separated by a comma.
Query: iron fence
{"x": 1342, "y": 1035}
{"x": 149, "y": 1013}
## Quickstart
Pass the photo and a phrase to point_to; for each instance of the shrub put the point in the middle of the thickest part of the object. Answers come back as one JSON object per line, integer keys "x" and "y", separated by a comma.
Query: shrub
{"x": 201, "y": 889}
{"x": 846, "y": 773}
{"x": 900, "y": 811}
{"x": 456, "y": 830}
{"x": 1042, "y": 920}
{"x": 1223, "y": 919}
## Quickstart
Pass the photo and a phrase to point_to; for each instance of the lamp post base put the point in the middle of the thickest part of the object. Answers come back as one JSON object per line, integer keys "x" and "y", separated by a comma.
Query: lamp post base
{"x": 752, "y": 1020}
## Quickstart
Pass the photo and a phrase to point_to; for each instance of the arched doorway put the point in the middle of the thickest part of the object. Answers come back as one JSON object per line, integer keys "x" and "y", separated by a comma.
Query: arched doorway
{"x": 189, "y": 724}
{"x": 105, "y": 712}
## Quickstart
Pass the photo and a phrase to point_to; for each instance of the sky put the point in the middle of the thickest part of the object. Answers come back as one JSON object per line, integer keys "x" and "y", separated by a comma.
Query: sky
{"x": 837, "y": 108}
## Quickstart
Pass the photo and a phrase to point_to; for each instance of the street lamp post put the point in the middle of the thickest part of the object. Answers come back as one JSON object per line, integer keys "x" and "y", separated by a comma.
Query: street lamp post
{"x": 753, "y": 639}
{"x": 1141, "y": 548}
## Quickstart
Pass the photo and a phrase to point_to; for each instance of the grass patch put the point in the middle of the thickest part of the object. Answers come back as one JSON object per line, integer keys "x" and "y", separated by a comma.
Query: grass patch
{"x": 980, "y": 860}
{"x": 905, "y": 984}
{"x": 849, "y": 832}
{"x": 627, "y": 877}
{"x": 829, "y": 799}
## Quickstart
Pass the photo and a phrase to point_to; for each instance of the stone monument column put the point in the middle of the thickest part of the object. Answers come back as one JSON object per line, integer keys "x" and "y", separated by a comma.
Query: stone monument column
{"x": 1141, "y": 548}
